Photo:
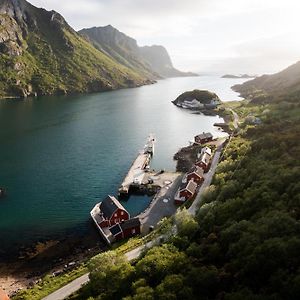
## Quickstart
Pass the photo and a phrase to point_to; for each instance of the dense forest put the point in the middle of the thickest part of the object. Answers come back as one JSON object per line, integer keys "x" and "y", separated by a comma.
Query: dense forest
{"x": 245, "y": 240}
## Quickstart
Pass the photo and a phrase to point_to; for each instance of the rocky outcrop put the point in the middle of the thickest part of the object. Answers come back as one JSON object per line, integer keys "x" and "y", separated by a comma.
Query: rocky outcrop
{"x": 197, "y": 99}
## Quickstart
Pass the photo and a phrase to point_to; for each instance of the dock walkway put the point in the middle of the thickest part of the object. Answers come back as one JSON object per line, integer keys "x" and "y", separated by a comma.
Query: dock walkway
{"x": 137, "y": 170}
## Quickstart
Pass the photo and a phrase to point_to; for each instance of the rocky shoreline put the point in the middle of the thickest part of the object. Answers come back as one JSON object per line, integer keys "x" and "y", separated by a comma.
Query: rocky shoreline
{"x": 32, "y": 263}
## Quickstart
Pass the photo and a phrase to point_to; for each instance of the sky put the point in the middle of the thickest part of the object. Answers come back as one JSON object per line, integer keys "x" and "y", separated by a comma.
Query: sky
{"x": 206, "y": 36}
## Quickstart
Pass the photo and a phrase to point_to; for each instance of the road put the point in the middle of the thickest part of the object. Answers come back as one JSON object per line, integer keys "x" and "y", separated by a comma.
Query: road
{"x": 76, "y": 284}
{"x": 235, "y": 119}
{"x": 208, "y": 178}
{"x": 69, "y": 289}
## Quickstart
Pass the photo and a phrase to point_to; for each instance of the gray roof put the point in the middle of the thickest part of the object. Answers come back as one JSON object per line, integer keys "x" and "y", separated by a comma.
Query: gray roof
{"x": 197, "y": 170}
{"x": 191, "y": 186}
{"x": 109, "y": 205}
{"x": 204, "y": 135}
{"x": 131, "y": 223}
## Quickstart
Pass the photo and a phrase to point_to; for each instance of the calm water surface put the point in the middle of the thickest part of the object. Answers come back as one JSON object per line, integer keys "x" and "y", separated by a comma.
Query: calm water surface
{"x": 61, "y": 155}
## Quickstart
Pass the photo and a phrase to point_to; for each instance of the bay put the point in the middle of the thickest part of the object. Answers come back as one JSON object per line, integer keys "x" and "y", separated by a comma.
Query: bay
{"x": 60, "y": 155}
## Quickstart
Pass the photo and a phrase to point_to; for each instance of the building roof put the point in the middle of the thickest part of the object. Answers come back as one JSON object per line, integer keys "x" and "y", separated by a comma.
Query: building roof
{"x": 204, "y": 135}
{"x": 197, "y": 170}
{"x": 191, "y": 186}
{"x": 205, "y": 158}
{"x": 131, "y": 223}
{"x": 109, "y": 205}
{"x": 115, "y": 229}
{"x": 206, "y": 150}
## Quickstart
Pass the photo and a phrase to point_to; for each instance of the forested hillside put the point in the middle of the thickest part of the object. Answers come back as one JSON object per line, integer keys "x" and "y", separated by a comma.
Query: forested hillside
{"x": 245, "y": 240}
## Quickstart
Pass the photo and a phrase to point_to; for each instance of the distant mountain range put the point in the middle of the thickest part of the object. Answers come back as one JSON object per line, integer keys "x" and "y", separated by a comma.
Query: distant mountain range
{"x": 153, "y": 61}
{"x": 286, "y": 82}
{"x": 40, "y": 54}
{"x": 242, "y": 76}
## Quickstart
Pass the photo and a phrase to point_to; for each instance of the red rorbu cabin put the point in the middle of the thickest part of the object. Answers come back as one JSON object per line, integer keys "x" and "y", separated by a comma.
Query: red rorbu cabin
{"x": 112, "y": 212}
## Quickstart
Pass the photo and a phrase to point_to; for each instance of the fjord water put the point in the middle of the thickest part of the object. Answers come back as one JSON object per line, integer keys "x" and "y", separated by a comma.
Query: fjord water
{"x": 60, "y": 155}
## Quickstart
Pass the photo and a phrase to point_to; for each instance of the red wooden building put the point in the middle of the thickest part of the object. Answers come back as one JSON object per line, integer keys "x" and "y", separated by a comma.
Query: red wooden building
{"x": 196, "y": 174}
{"x": 126, "y": 229}
{"x": 112, "y": 212}
{"x": 203, "y": 138}
{"x": 204, "y": 162}
{"x": 186, "y": 192}
{"x": 131, "y": 227}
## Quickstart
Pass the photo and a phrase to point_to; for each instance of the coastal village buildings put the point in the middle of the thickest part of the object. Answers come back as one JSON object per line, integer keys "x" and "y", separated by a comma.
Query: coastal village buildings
{"x": 203, "y": 138}
{"x": 113, "y": 220}
{"x": 126, "y": 229}
{"x": 204, "y": 162}
{"x": 131, "y": 227}
{"x": 194, "y": 178}
{"x": 206, "y": 150}
{"x": 196, "y": 174}
{"x": 112, "y": 212}
{"x": 186, "y": 192}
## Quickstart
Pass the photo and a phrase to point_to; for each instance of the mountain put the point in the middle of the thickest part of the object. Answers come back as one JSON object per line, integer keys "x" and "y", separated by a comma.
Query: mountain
{"x": 242, "y": 76}
{"x": 40, "y": 54}
{"x": 153, "y": 61}
{"x": 118, "y": 46}
{"x": 286, "y": 82}
{"x": 160, "y": 61}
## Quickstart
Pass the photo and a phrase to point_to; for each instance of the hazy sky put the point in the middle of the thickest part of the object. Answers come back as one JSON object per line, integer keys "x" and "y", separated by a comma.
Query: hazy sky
{"x": 251, "y": 36}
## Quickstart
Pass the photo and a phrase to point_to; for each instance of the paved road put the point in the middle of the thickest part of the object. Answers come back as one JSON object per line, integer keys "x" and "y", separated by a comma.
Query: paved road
{"x": 160, "y": 209}
{"x": 69, "y": 289}
{"x": 209, "y": 176}
{"x": 75, "y": 285}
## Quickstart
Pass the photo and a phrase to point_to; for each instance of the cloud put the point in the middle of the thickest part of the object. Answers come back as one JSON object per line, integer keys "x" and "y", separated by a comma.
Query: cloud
{"x": 199, "y": 34}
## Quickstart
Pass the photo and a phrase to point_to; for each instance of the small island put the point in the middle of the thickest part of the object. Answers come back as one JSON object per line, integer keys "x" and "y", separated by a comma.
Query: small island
{"x": 197, "y": 100}
{"x": 241, "y": 76}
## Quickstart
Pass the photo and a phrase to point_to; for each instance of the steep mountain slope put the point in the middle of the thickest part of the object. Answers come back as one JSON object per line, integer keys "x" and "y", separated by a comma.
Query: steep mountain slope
{"x": 153, "y": 61}
{"x": 41, "y": 54}
{"x": 284, "y": 82}
{"x": 160, "y": 61}
{"x": 119, "y": 46}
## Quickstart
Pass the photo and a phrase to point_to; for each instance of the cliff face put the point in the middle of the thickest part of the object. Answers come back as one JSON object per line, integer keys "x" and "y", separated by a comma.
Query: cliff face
{"x": 160, "y": 61}
{"x": 120, "y": 47}
{"x": 41, "y": 54}
{"x": 153, "y": 61}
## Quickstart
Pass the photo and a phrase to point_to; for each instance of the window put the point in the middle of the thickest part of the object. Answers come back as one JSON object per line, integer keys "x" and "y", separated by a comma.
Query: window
{"x": 116, "y": 215}
{"x": 122, "y": 213}
{"x": 133, "y": 231}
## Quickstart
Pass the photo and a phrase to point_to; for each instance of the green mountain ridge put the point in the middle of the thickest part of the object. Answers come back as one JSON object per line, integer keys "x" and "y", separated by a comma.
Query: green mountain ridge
{"x": 276, "y": 85}
{"x": 40, "y": 54}
{"x": 153, "y": 61}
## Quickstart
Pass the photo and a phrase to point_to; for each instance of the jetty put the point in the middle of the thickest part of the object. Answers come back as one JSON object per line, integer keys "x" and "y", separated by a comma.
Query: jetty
{"x": 140, "y": 165}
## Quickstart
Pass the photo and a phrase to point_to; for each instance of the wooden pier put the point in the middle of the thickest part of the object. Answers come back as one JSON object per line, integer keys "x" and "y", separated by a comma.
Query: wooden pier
{"x": 137, "y": 171}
